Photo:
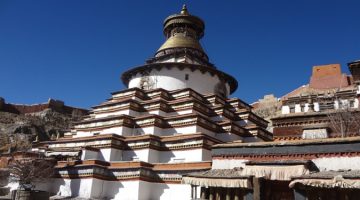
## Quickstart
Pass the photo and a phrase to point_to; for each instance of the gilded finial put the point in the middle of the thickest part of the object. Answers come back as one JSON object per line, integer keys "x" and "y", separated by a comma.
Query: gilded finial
{"x": 184, "y": 10}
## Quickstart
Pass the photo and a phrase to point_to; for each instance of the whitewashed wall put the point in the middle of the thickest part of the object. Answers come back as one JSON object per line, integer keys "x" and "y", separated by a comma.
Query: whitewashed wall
{"x": 89, "y": 155}
{"x": 154, "y": 156}
{"x": 125, "y": 190}
{"x": 142, "y": 190}
{"x": 116, "y": 190}
{"x": 116, "y": 155}
{"x": 181, "y": 112}
{"x": 337, "y": 163}
{"x": 206, "y": 155}
{"x": 285, "y": 110}
{"x": 119, "y": 130}
{"x": 136, "y": 155}
{"x": 152, "y": 130}
{"x": 193, "y": 155}
{"x": 166, "y": 191}
{"x": 120, "y": 112}
{"x": 110, "y": 154}
{"x": 187, "y": 130}
{"x": 174, "y": 79}
{"x": 356, "y": 103}
{"x": 323, "y": 164}
{"x": 158, "y": 112}
{"x": 227, "y": 163}
{"x": 72, "y": 187}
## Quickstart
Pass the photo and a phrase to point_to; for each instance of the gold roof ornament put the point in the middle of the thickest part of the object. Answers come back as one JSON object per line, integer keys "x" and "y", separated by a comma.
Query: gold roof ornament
{"x": 184, "y": 10}
{"x": 179, "y": 41}
{"x": 183, "y": 31}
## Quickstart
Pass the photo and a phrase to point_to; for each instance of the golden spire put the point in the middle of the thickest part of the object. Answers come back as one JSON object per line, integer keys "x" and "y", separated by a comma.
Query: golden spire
{"x": 184, "y": 10}
{"x": 183, "y": 31}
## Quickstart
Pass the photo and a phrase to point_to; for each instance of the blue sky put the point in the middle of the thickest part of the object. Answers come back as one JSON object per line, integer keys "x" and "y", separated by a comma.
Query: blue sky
{"x": 75, "y": 51}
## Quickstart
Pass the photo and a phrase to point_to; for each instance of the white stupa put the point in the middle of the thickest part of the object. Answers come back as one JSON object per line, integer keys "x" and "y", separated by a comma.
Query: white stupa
{"x": 139, "y": 143}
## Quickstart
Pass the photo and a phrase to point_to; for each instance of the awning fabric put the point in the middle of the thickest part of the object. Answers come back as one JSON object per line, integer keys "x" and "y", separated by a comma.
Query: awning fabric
{"x": 336, "y": 182}
{"x": 281, "y": 173}
{"x": 242, "y": 177}
{"x": 216, "y": 182}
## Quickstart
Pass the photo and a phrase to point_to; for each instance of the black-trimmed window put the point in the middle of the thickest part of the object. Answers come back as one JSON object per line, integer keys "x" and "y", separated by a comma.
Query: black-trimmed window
{"x": 292, "y": 109}
{"x": 351, "y": 103}
{"x": 302, "y": 108}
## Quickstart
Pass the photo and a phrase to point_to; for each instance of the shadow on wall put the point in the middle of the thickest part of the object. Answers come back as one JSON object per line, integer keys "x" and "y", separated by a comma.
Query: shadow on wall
{"x": 163, "y": 156}
{"x": 75, "y": 187}
{"x": 112, "y": 189}
{"x": 166, "y": 156}
{"x": 67, "y": 187}
{"x": 100, "y": 156}
{"x": 129, "y": 155}
{"x": 160, "y": 190}
{"x": 52, "y": 185}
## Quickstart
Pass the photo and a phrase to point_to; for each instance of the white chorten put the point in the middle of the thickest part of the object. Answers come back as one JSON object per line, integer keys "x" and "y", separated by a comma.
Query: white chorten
{"x": 138, "y": 143}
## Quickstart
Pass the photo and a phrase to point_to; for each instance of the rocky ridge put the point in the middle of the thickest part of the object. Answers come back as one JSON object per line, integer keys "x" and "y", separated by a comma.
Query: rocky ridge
{"x": 40, "y": 122}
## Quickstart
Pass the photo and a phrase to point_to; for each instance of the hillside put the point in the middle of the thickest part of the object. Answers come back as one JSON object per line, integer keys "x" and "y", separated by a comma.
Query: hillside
{"x": 39, "y": 121}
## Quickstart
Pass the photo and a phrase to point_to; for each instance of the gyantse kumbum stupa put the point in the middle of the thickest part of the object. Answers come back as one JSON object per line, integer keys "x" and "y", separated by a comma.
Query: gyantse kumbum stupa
{"x": 138, "y": 143}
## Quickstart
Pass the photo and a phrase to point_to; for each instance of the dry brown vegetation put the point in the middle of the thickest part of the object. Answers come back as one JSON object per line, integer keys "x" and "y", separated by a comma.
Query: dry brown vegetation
{"x": 29, "y": 171}
{"x": 345, "y": 121}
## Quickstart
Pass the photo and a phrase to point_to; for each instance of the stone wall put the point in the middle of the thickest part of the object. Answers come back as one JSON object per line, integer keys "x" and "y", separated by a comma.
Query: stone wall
{"x": 56, "y": 105}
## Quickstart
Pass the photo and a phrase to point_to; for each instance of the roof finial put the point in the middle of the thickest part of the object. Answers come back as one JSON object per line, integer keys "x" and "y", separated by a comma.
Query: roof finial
{"x": 184, "y": 10}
